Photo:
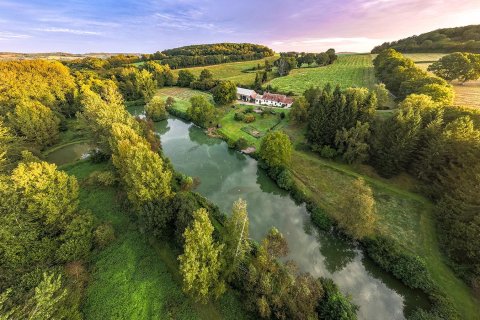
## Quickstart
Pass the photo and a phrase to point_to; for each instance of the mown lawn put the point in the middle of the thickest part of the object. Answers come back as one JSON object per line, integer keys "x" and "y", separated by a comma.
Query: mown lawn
{"x": 403, "y": 215}
{"x": 348, "y": 71}
{"x": 234, "y": 130}
{"x": 234, "y": 71}
{"x": 135, "y": 278}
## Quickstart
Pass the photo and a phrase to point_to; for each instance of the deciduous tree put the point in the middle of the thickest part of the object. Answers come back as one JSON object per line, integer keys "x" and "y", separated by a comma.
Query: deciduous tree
{"x": 200, "y": 262}
{"x": 276, "y": 149}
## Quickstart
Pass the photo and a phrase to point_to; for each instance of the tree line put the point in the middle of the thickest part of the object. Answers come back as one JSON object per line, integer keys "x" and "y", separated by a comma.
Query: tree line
{"x": 402, "y": 77}
{"x": 209, "y": 54}
{"x": 465, "y": 39}
{"x": 437, "y": 144}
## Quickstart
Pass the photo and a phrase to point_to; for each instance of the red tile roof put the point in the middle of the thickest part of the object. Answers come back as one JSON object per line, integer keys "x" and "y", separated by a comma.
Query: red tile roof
{"x": 277, "y": 98}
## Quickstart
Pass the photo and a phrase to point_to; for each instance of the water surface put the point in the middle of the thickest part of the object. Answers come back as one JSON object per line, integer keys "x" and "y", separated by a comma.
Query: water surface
{"x": 227, "y": 175}
{"x": 69, "y": 153}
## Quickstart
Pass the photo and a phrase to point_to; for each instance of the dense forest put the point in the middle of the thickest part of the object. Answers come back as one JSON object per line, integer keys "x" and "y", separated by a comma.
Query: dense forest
{"x": 465, "y": 39}
{"x": 208, "y": 54}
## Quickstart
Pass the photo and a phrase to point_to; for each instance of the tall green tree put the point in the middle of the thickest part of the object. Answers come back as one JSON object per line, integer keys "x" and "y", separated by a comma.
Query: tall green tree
{"x": 276, "y": 149}
{"x": 201, "y": 111}
{"x": 225, "y": 92}
{"x": 200, "y": 262}
{"x": 457, "y": 66}
{"x": 300, "y": 110}
{"x": 236, "y": 237}
{"x": 185, "y": 78}
{"x": 142, "y": 170}
{"x": 395, "y": 141}
{"x": 156, "y": 110}
{"x": 352, "y": 143}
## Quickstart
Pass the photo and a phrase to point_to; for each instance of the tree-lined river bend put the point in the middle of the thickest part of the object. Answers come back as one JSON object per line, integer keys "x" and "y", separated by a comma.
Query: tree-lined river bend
{"x": 227, "y": 175}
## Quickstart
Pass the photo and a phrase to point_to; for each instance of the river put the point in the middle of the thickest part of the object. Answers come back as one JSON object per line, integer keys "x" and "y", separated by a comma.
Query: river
{"x": 227, "y": 175}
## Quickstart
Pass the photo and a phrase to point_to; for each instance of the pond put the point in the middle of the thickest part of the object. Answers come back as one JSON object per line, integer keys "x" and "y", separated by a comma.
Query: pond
{"x": 69, "y": 153}
{"x": 227, "y": 175}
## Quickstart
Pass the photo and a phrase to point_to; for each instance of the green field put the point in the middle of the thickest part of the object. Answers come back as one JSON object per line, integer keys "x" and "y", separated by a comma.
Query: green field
{"x": 403, "y": 215}
{"x": 234, "y": 130}
{"x": 181, "y": 96}
{"x": 135, "y": 278}
{"x": 348, "y": 71}
{"x": 234, "y": 71}
{"x": 231, "y": 128}
{"x": 467, "y": 94}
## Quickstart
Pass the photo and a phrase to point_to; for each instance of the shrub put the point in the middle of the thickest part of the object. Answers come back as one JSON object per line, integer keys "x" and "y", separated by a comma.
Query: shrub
{"x": 104, "y": 235}
{"x": 334, "y": 305}
{"x": 239, "y": 116}
{"x": 249, "y": 118}
{"x": 321, "y": 219}
{"x": 103, "y": 178}
{"x": 241, "y": 144}
{"x": 326, "y": 152}
{"x": 282, "y": 115}
{"x": 285, "y": 180}
{"x": 411, "y": 269}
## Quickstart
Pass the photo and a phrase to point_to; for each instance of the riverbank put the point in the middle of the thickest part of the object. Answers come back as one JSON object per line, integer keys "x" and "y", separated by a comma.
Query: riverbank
{"x": 406, "y": 217}
{"x": 135, "y": 278}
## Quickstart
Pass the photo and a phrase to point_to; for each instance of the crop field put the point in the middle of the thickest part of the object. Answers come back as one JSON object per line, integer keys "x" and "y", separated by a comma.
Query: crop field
{"x": 135, "y": 278}
{"x": 467, "y": 94}
{"x": 234, "y": 71}
{"x": 348, "y": 71}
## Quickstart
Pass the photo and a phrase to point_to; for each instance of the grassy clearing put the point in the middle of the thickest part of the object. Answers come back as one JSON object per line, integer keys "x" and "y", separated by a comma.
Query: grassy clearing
{"x": 230, "y": 128}
{"x": 234, "y": 71}
{"x": 234, "y": 130}
{"x": 181, "y": 96}
{"x": 403, "y": 215}
{"x": 467, "y": 94}
{"x": 348, "y": 71}
{"x": 131, "y": 278}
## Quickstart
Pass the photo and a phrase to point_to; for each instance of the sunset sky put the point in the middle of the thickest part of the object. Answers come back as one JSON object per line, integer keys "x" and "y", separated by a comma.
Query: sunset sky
{"x": 148, "y": 26}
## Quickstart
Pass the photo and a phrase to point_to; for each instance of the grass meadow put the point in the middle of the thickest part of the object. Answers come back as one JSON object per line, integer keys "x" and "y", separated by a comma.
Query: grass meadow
{"x": 467, "y": 94}
{"x": 403, "y": 214}
{"x": 135, "y": 277}
{"x": 350, "y": 70}
{"x": 234, "y": 71}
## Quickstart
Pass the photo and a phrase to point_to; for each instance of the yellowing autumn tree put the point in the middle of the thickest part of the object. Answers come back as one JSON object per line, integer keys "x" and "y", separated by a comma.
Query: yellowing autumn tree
{"x": 36, "y": 122}
{"x": 357, "y": 212}
{"x": 142, "y": 171}
{"x": 200, "y": 262}
{"x": 46, "y": 193}
{"x": 48, "y": 82}
{"x": 101, "y": 111}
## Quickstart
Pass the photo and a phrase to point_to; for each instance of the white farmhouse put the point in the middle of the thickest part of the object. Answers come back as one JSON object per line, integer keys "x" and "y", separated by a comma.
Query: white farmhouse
{"x": 267, "y": 99}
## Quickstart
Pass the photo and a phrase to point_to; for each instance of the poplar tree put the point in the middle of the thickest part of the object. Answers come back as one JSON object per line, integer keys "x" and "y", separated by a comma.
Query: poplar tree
{"x": 200, "y": 262}
{"x": 236, "y": 237}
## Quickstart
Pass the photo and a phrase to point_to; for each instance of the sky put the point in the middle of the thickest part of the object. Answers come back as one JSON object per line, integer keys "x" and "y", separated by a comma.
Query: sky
{"x": 146, "y": 26}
